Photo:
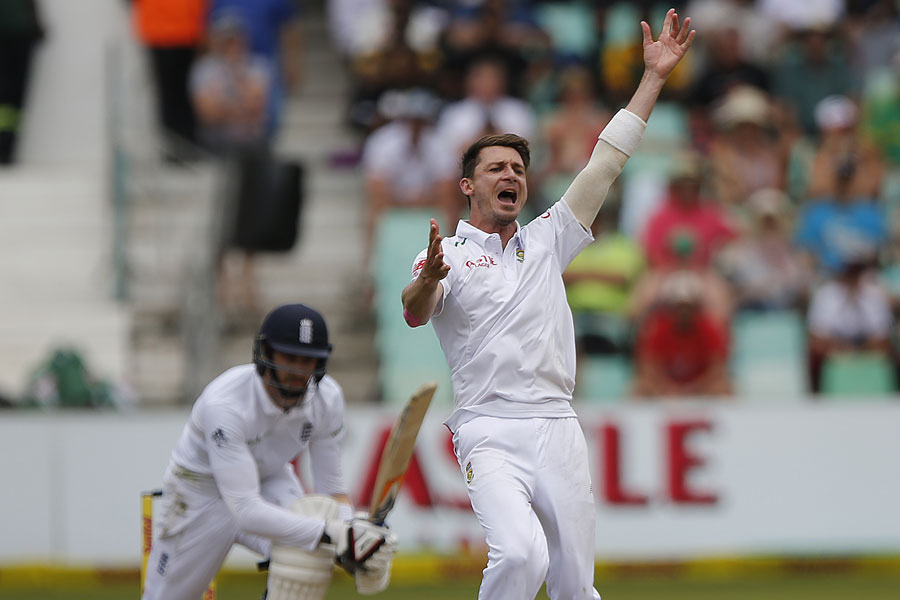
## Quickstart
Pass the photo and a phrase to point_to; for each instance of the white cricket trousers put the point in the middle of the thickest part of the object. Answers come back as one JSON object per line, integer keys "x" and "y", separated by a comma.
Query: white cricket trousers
{"x": 530, "y": 487}
{"x": 195, "y": 531}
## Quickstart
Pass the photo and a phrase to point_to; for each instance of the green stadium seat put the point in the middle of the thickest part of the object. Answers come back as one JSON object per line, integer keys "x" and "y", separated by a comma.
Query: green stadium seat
{"x": 603, "y": 379}
{"x": 858, "y": 376}
{"x": 408, "y": 357}
{"x": 769, "y": 356}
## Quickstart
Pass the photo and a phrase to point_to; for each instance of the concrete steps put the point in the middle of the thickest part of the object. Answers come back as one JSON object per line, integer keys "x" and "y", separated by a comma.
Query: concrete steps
{"x": 55, "y": 282}
{"x": 325, "y": 269}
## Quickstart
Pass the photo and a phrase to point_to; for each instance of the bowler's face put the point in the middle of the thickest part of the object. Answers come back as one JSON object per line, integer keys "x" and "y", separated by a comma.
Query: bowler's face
{"x": 497, "y": 187}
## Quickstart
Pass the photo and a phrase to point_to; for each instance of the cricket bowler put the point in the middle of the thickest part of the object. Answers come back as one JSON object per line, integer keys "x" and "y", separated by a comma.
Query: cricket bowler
{"x": 495, "y": 296}
{"x": 229, "y": 478}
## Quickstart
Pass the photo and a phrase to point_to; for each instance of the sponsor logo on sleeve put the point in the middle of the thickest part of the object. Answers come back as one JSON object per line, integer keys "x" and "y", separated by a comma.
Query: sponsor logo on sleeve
{"x": 306, "y": 432}
{"x": 417, "y": 268}
{"x": 218, "y": 436}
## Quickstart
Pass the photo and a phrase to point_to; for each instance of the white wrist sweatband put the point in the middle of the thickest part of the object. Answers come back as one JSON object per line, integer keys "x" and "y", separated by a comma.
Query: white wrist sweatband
{"x": 624, "y": 131}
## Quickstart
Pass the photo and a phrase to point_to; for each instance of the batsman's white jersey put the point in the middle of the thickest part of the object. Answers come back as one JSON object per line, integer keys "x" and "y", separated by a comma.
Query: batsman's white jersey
{"x": 506, "y": 329}
{"x": 229, "y": 479}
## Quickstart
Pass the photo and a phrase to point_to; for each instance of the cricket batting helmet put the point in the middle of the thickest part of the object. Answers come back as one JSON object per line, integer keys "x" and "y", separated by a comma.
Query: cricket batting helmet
{"x": 294, "y": 329}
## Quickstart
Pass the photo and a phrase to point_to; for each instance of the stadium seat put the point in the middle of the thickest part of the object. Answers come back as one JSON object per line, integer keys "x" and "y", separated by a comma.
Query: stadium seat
{"x": 603, "y": 379}
{"x": 769, "y": 356}
{"x": 857, "y": 376}
{"x": 408, "y": 357}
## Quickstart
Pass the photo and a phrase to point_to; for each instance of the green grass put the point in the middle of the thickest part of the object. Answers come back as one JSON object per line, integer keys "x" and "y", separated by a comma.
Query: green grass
{"x": 820, "y": 586}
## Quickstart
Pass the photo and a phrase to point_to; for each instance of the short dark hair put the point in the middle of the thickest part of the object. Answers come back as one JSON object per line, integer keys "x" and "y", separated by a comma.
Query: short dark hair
{"x": 509, "y": 140}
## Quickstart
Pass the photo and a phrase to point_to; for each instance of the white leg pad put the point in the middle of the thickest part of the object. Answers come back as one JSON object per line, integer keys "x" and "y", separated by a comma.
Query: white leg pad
{"x": 296, "y": 574}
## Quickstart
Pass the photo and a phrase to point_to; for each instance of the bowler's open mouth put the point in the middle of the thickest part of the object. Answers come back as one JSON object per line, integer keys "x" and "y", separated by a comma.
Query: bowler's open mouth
{"x": 508, "y": 195}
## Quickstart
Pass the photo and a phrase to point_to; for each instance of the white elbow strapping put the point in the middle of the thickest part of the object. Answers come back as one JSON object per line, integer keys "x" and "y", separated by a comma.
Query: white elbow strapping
{"x": 624, "y": 132}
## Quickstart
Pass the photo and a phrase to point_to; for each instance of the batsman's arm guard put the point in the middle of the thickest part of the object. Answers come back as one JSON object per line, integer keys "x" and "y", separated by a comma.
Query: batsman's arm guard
{"x": 297, "y": 574}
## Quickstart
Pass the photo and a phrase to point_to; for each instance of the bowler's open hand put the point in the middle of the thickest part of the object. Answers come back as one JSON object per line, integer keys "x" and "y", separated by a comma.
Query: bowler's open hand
{"x": 674, "y": 40}
{"x": 435, "y": 268}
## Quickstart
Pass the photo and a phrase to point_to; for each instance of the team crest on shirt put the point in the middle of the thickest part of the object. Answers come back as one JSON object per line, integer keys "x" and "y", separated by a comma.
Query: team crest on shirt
{"x": 470, "y": 474}
{"x": 306, "y": 432}
{"x": 520, "y": 254}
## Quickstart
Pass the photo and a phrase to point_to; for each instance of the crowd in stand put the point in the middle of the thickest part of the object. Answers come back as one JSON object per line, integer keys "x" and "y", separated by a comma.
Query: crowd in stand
{"x": 768, "y": 179}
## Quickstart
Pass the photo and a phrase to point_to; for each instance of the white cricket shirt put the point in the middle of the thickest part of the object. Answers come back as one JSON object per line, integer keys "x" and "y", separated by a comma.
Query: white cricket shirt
{"x": 504, "y": 323}
{"x": 236, "y": 436}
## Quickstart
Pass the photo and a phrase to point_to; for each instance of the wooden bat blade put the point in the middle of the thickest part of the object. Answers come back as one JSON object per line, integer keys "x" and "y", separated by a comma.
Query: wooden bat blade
{"x": 397, "y": 453}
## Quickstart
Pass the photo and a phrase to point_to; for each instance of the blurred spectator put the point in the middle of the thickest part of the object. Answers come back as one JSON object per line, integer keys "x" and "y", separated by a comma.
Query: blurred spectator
{"x": 173, "y": 31}
{"x": 844, "y": 162}
{"x": 745, "y": 155}
{"x": 505, "y": 29}
{"x": 395, "y": 48}
{"x": 758, "y": 33}
{"x": 843, "y": 217}
{"x": 811, "y": 68}
{"x": 569, "y": 134}
{"x": 681, "y": 350}
{"x": 402, "y": 159}
{"x": 621, "y": 56}
{"x": 599, "y": 283}
{"x": 274, "y": 31}
{"x": 230, "y": 88}
{"x": 802, "y": 15}
{"x": 763, "y": 266}
{"x": 881, "y": 111}
{"x": 20, "y": 31}
{"x": 726, "y": 68}
{"x": 714, "y": 289}
{"x": 487, "y": 108}
{"x": 685, "y": 218}
{"x": 875, "y": 37}
{"x": 850, "y": 313}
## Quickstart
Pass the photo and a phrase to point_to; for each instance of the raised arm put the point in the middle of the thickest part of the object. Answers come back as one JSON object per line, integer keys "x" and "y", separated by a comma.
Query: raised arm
{"x": 621, "y": 136}
{"x": 421, "y": 296}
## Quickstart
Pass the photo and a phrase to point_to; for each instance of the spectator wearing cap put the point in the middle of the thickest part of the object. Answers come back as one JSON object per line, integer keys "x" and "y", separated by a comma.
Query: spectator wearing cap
{"x": 230, "y": 88}
{"x": 842, "y": 217}
{"x": 273, "y": 30}
{"x": 681, "y": 350}
{"x": 844, "y": 163}
{"x": 402, "y": 159}
{"x": 765, "y": 269}
{"x": 746, "y": 155}
{"x": 850, "y": 313}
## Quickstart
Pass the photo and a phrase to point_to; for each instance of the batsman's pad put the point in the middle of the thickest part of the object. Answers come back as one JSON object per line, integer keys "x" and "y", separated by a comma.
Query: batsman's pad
{"x": 355, "y": 541}
{"x": 375, "y": 575}
{"x": 297, "y": 574}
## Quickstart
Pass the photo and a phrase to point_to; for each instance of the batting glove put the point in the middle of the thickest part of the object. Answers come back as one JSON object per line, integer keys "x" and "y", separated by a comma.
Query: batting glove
{"x": 355, "y": 542}
{"x": 375, "y": 575}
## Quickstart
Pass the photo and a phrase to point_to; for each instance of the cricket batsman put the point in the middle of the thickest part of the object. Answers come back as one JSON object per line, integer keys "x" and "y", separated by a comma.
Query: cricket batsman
{"x": 229, "y": 478}
{"x": 495, "y": 296}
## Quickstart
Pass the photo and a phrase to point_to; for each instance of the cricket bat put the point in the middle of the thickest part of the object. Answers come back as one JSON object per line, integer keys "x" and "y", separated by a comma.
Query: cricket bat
{"x": 397, "y": 453}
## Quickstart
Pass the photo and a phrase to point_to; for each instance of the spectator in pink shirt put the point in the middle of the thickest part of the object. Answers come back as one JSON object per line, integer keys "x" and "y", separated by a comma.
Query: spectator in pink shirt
{"x": 685, "y": 214}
